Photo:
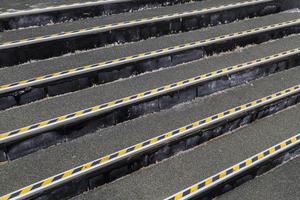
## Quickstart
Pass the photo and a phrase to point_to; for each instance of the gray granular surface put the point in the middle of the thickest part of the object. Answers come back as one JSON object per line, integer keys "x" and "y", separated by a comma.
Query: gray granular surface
{"x": 60, "y": 105}
{"x": 30, "y": 4}
{"x": 175, "y": 174}
{"x": 27, "y": 71}
{"x": 280, "y": 184}
{"x": 53, "y": 160}
{"x": 99, "y": 21}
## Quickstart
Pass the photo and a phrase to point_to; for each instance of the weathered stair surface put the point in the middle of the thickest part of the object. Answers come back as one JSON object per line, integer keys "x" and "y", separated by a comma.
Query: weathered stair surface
{"x": 278, "y": 82}
{"x": 32, "y": 86}
{"x": 175, "y": 174}
{"x": 17, "y": 14}
{"x": 281, "y": 183}
{"x": 181, "y": 72}
{"x": 139, "y": 99}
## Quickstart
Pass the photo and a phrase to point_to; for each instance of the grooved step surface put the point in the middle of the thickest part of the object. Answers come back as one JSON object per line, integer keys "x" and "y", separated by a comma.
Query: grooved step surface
{"x": 281, "y": 184}
{"x": 30, "y": 70}
{"x": 68, "y": 155}
{"x": 46, "y": 109}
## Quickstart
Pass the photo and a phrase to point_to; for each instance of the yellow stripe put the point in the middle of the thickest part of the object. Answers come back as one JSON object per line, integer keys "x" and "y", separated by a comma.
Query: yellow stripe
{"x": 47, "y": 181}
{"x": 26, "y": 190}
{"x": 208, "y": 181}
{"x": 178, "y": 196}
{"x": 122, "y": 152}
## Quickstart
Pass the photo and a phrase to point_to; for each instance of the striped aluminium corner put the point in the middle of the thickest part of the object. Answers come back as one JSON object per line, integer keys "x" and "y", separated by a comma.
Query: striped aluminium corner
{"x": 126, "y": 153}
{"x": 16, "y": 13}
{"x": 205, "y": 185}
{"x": 99, "y": 109}
{"x": 160, "y": 52}
{"x": 124, "y": 24}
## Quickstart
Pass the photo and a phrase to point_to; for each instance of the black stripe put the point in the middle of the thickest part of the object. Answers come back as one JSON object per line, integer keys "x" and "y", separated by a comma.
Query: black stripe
{"x": 78, "y": 169}
{"x": 248, "y": 105}
{"x": 33, "y": 126}
{"x": 31, "y": 80}
{"x": 146, "y": 143}
{"x": 289, "y": 142}
{"x": 133, "y": 97}
{"x": 103, "y": 106}
{"x": 48, "y": 76}
{"x": 242, "y": 165}
{"x": 94, "y": 65}
{"x": 214, "y": 117}
{"x": 87, "y": 110}
{"x": 130, "y": 149}
{"x": 160, "y": 89}
{"x": 201, "y": 185}
{"x": 226, "y": 113}
{"x": 35, "y": 186}
{"x": 108, "y": 62}
{"x": 52, "y": 121}
{"x": 176, "y": 132}
{"x": 238, "y": 108}
{"x": 189, "y": 127}
{"x": 254, "y": 159}
{"x": 14, "y": 132}
{"x": 15, "y": 194}
{"x": 277, "y": 147}
{"x": 113, "y": 155}
{"x": 202, "y": 122}
{"x": 187, "y": 192}
{"x": 97, "y": 162}
{"x": 119, "y": 101}
{"x": 64, "y": 72}
{"x": 229, "y": 171}
{"x": 70, "y": 115}
{"x": 161, "y": 137}
{"x": 14, "y": 84}
{"x": 58, "y": 177}
{"x": 215, "y": 178}
{"x": 266, "y": 153}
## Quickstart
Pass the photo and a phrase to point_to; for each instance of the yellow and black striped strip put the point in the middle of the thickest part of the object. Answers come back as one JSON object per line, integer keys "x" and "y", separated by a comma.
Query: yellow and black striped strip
{"x": 124, "y": 24}
{"x": 143, "y": 146}
{"x": 224, "y": 175}
{"x": 96, "y": 110}
{"x": 111, "y": 63}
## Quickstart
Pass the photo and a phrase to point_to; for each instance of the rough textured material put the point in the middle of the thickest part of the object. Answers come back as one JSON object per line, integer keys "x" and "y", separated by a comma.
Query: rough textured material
{"x": 85, "y": 23}
{"x": 53, "y": 107}
{"x": 27, "y": 71}
{"x": 282, "y": 184}
{"x": 173, "y": 175}
{"x": 123, "y": 135}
